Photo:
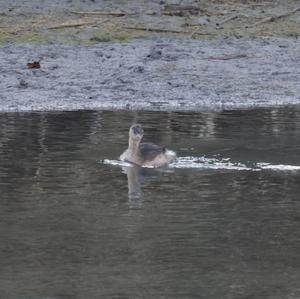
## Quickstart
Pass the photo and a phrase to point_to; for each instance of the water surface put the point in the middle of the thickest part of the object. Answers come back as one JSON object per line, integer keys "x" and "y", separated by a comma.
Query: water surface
{"x": 70, "y": 229}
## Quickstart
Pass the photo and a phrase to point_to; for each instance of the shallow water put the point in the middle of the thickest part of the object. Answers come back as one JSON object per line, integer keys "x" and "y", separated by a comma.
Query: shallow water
{"x": 218, "y": 223}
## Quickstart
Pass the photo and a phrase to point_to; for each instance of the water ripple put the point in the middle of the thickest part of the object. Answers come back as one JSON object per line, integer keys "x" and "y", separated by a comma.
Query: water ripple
{"x": 214, "y": 164}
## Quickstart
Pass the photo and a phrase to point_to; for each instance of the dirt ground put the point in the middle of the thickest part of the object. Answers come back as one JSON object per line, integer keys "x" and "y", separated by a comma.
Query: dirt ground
{"x": 94, "y": 21}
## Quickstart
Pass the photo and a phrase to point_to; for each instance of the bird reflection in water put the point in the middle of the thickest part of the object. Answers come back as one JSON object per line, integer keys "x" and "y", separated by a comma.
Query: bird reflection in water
{"x": 137, "y": 177}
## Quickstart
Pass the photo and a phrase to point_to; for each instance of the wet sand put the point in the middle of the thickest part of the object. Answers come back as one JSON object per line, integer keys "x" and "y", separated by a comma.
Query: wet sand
{"x": 152, "y": 74}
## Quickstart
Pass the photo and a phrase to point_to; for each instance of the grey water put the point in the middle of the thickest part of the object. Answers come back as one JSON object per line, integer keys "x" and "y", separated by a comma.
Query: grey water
{"x": 71, "y": 228}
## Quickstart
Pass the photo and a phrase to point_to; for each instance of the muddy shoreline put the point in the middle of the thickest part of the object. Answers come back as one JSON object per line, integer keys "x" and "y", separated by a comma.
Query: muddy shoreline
{"x": 224, "y": 56}
{"x": 152, "y": 74}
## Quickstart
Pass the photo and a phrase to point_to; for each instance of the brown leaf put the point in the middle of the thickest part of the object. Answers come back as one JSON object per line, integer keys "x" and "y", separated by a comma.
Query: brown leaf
{"x": 34, "y": 65}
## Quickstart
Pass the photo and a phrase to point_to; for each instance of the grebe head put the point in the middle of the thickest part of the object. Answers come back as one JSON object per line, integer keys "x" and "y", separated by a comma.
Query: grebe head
{"x": 136, "y": 132}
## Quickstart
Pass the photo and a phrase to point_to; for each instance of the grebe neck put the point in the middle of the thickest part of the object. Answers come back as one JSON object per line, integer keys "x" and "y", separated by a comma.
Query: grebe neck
{"x": 133, "y": 145}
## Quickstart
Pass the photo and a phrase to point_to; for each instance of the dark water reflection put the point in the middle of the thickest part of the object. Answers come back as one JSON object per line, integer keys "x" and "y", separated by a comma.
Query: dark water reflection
{"x": 69, "y": 230}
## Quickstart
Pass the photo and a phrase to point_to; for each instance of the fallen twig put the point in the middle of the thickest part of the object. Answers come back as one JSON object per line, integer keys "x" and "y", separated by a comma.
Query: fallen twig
{"x": 194, "y": 32}
{"x": 259, "y": 4}
{"x": 155, "y": 29}
{"x": 163, "y": 30}
{"x": 274, "y": 18}
{"x": 227, "y": 57}
{"x": 71, "y": 24}
{"x": 231, "y": 18}
{"x": 228, "y": 19}
{"x": 102, "y": 13}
